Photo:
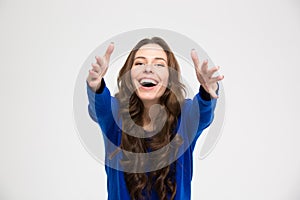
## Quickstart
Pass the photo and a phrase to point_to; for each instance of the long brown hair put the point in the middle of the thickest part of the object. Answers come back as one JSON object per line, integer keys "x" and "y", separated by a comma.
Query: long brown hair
{"x": 162, "y": 180}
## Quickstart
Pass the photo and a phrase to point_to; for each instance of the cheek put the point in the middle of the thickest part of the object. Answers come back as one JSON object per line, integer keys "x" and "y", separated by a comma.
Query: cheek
{"x": 132, "y": 73}
{"x": 165, "y": 77}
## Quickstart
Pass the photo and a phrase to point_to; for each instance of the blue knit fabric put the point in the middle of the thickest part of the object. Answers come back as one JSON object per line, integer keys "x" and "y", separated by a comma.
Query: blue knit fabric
{"x": 103, "y": 109}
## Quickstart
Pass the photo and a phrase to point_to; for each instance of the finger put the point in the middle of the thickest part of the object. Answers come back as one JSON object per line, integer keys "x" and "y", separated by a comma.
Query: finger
{"x": 100, "y": 61}
{"x": 213, "y": 95}
{"x": 109, "y": 51}
{"x": 96, "y": 67}
{"x": 211, "y": 71}
{"x": 195, "y": 59}
{"x": 93, "y": 74}
{"x": 93, "y": 83}
{"x": 204, "y": 66}
{"x": 216, "y": 79}
{"x": 90, "y": 77}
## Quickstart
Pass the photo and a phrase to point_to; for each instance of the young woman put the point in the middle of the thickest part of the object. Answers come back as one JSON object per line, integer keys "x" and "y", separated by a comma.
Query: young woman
{"x": 148, "y": 114}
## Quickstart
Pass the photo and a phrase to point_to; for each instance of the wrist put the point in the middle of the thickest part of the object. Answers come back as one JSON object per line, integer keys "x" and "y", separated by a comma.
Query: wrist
{"x": 100, "y": 87}
{"x": 204, "y": 94}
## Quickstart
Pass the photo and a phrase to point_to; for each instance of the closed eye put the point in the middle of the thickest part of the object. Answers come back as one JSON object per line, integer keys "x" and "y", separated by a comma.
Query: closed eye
{"x": 159, "y": 65}
{"x": 138, "y": 63}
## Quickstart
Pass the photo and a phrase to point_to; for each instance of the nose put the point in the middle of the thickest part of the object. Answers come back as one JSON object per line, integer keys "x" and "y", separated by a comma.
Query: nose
{"x": 148, "y": 68}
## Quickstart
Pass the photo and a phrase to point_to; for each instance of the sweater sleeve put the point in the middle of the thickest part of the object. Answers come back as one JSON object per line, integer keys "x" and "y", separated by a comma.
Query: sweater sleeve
{"x": 102, "y": 107}
{"x": 198, "y": 114}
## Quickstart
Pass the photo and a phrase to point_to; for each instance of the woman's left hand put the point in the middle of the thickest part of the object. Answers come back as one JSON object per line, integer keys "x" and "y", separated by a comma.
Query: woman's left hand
{"x": 205, "y": 75}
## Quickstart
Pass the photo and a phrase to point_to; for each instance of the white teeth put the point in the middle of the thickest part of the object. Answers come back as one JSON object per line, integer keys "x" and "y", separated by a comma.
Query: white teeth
{"x": 145, "y": 80}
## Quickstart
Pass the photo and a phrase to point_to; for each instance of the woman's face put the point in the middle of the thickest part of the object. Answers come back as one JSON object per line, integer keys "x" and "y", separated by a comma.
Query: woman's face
{"x": 150, "y": 73}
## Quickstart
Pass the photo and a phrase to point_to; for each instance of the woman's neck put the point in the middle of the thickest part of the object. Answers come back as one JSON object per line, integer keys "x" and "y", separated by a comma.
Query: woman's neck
{"x": 147, "y": 125}
{"x": 147, "y": 116}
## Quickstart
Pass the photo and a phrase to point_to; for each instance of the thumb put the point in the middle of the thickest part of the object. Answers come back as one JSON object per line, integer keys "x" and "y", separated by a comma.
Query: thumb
{"x": 109, "y": 51}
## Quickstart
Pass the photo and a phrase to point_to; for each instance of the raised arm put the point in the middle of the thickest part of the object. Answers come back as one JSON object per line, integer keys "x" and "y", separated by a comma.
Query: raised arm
{"x": 199, "y": 112}
{"x": 101, "y": 104}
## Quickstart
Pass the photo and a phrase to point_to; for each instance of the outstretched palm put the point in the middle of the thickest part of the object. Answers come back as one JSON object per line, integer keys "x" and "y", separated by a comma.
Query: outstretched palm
{"x": 99, "y": 69}
{"x": 205, "y": 75}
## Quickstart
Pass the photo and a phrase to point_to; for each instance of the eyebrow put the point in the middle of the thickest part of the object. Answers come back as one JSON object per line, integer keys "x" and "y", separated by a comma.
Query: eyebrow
{"x": 156, "y": 58}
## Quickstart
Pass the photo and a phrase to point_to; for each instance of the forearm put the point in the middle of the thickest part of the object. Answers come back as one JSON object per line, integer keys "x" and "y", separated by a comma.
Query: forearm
{"x": 207, "y": 106}
{"x": 100, "y": 107}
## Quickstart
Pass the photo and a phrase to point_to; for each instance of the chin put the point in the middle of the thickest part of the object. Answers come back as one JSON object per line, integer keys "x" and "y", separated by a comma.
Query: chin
{"x": 149, "y": 96}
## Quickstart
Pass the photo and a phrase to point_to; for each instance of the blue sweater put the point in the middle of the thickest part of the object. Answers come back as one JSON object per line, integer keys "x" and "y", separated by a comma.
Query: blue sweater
{"x": 102, "y": 109}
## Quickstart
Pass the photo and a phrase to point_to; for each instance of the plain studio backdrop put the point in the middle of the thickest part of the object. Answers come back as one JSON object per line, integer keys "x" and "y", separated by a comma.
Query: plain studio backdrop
{"x": 43, "y": 45}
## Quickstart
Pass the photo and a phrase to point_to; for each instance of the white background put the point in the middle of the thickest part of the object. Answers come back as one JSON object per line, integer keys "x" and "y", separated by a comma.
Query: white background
{"x": 44, "y": 43}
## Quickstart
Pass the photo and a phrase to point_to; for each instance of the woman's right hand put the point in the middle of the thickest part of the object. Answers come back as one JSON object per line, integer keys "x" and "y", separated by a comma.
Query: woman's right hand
{"x": 99, "y": 69}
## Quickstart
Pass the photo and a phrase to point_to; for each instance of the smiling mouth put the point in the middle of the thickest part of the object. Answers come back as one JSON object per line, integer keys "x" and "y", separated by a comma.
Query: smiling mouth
{"x": 148, "y": 83}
